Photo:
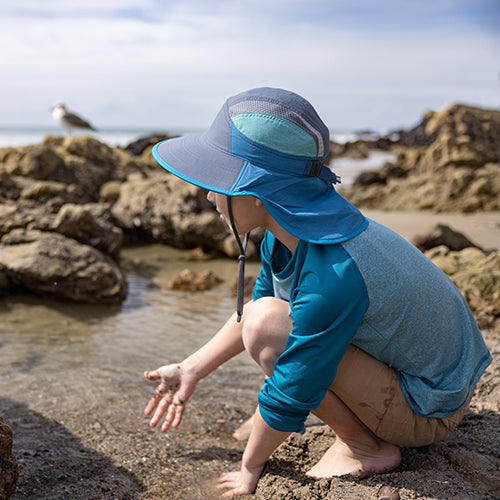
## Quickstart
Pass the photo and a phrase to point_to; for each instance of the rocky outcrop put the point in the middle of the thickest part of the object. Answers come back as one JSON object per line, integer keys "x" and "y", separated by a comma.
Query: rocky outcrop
{"x": 9, "y": 470}
{"x": 68, "y": 205}
{"x": 449, "y": 162}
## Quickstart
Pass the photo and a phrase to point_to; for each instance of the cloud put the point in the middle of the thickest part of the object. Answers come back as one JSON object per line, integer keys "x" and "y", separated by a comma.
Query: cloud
{"x": 155, "y": 62}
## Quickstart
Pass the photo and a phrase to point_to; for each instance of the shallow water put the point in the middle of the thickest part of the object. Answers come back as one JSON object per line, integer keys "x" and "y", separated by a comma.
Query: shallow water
{"x": 54, "y": 349}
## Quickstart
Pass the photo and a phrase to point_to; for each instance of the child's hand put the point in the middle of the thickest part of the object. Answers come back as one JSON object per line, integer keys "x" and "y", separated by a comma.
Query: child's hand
{"x": 176, "y": 387}
{"x": 242, "y": 482}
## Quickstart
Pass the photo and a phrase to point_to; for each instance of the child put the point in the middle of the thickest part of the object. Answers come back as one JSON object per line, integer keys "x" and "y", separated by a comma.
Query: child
{"x": 348, "y": 320}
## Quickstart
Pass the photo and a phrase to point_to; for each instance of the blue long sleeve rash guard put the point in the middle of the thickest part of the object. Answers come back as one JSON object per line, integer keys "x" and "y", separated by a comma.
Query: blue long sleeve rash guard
{"x": 381, "y": 294}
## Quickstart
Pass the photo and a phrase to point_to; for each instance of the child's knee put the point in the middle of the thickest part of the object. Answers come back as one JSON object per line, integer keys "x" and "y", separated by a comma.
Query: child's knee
{"x": 257, "y": 316}
{"x": 266, "y": 327}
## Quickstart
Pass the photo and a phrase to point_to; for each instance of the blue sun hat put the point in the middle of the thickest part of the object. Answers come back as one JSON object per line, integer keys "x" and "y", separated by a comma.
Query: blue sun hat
{"x": 269, "y": 143}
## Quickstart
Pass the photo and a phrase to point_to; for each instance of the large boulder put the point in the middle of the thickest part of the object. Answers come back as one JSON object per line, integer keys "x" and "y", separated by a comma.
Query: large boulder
{"x": 51, "y": 264}
{"x": 451, "y": 165}
{"x": 9, "y": 470}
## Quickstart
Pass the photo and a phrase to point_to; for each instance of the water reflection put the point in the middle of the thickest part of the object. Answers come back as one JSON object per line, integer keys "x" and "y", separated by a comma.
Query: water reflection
{"x": 55, "y": 340}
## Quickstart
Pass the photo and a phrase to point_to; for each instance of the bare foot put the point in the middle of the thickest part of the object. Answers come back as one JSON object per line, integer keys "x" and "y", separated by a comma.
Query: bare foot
{"x": 242, "y": 433}
{"x": 360, "y": 462}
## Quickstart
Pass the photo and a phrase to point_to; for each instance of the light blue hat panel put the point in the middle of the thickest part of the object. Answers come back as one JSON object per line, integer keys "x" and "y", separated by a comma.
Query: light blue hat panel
{"x": 276, "y": 133}
{"x": 285, "y": 104}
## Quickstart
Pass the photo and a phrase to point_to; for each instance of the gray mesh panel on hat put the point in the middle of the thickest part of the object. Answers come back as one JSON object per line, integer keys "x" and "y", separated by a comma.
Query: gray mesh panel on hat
{"x": 266, "y": 107}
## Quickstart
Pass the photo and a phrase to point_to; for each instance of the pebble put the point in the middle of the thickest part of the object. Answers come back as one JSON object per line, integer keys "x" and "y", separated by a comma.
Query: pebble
{"x": 388, "y": 493}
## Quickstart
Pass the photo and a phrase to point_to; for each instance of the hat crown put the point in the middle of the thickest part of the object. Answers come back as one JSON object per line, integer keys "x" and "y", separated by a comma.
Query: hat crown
{"x": 274, "y": 118}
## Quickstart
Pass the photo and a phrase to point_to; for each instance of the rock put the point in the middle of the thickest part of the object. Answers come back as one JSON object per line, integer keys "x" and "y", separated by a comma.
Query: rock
{"x": 229, "y": 247}
{"x": 4, "y": 282}
{"x": 367, "y": 178}
{"x": 248, "y": 283}
{"x": 54, "y": 265}
{"x": 110, "y": 192}
{"x": 386, "y": 492}
{"x": 44, "y": 190}
{"x": 88, "y": 148}
{"x": 477, "y": 275}
{"x": 200, "y": 253}
{"x": 138, "y": 147}
{"x": 82, "y": 162}
{"x": 166, "y": 209}
{"x": 193, "y": 282}
{"x": 442, "y": 235}
{"x": 450, "y": 163}
{"x": 9, "y": 190}
{"x": 395, "y": 171}
{"x": 9, "y": 470}
{"x": 75, "y": 193}
{"x": 355, "y": 150}
{"x": 13, "y": 216}
{"x": 35, "y": 162}
{"x": 89, "y": 224}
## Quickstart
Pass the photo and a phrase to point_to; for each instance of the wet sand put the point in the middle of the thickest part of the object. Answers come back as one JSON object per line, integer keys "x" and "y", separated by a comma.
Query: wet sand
{"x": 80, "y": 433}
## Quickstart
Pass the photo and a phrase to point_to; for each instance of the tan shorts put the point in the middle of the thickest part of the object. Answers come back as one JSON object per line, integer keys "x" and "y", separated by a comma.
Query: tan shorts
{"x": 371, "y": 390}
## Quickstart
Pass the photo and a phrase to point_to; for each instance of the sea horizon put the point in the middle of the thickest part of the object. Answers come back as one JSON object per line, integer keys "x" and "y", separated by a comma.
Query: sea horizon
{"x": 24, "y": 135}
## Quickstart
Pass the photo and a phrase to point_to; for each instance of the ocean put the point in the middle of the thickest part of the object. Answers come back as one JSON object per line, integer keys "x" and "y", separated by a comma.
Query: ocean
{"x": 22, "y": 136}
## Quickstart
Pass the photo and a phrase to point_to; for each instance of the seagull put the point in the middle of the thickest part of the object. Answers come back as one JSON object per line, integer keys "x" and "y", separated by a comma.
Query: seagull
{"x": 69, "y": 120}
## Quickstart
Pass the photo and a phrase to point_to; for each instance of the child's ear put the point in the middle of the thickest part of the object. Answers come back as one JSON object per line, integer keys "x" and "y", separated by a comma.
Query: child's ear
{"x": 258, "y": 203}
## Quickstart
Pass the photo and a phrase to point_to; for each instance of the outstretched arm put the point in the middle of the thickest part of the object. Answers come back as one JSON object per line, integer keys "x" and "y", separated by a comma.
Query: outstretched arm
{"x": 178, "y": 381}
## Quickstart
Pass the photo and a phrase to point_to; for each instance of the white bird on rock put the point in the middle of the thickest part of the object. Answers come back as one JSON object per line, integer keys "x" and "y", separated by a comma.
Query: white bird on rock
{"x": 69, "y": 120}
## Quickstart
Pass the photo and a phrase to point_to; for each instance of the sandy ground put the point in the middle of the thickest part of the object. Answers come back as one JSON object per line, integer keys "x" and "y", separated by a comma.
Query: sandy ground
{"x": 105, "y": 449}
{"x": 483, "y": 229}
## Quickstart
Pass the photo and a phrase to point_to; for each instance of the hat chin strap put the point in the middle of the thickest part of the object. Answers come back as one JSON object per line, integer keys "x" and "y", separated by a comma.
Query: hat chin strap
{"x": 242, "y": 258}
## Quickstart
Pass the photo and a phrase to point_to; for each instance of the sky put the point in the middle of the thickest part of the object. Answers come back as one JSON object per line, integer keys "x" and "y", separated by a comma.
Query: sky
{"x": 171, "y": 64}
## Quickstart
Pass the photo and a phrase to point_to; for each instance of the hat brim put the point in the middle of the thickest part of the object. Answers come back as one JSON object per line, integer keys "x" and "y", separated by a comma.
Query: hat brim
{"x": 194, "y": 159}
